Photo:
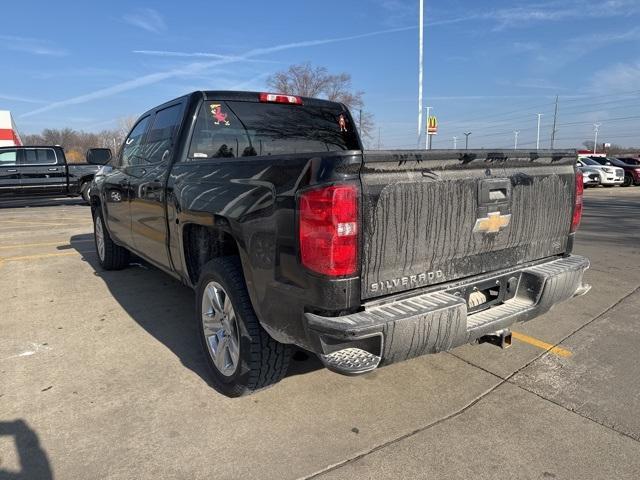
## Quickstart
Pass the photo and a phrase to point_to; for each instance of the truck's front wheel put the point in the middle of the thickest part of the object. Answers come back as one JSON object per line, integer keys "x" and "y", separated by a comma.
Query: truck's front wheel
{"x": 85, "y": 191}
{"x": 242, "y": 356}
{"x": 110, "y": 255}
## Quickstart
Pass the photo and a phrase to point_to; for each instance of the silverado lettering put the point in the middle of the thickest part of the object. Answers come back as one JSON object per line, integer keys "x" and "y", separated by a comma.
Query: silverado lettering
{"x": 415, "y": 280}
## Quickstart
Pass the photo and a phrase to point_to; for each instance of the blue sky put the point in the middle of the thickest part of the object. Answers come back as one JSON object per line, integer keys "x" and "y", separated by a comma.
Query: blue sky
{"x": 490, "y": 67}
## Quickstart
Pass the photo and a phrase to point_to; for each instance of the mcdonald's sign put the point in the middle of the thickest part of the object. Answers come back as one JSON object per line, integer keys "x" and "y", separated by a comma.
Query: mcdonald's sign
{"x": 432, "y": 125}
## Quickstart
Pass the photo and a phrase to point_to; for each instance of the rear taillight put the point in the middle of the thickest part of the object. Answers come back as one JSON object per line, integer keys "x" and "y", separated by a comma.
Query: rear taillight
{"x": 328, "y": 229}
{"x": 577, "y": 208}
{"x": 280, "y": 98}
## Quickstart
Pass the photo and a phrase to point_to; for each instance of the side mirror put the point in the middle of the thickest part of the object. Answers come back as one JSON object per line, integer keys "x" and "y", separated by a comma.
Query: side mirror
{"x": 99, "y": 156}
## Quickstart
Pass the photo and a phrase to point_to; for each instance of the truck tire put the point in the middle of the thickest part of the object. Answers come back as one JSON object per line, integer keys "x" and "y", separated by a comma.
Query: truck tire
{"x": 241, "y": 355}
{"x": 628, "y": 180}
{"x": 85, "y": 191}
{"x": 110, "y": 255}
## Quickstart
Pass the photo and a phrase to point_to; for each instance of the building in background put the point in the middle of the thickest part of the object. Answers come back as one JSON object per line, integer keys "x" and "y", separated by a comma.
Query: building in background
{"x": 9, "y": 135}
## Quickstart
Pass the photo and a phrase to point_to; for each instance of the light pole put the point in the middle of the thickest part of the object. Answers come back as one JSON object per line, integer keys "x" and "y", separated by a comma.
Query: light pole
{"x": 455, "y": 143}
{"x": 515, "y": 143}
{"x": 596, "y": 126}
{"x": 538, "y": 137}
{"x": 555, "y": 119}
{"x": 420, "y": 67}
{"x": 466, "y": 140}
{"x": 427, "y": 140}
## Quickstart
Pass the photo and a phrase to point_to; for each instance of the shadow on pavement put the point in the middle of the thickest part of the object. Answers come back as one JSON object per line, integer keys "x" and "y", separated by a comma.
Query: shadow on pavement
{"x": 165, "y": 309}
{"x": 34, "y": 464}
{"x": 609, "y": 222}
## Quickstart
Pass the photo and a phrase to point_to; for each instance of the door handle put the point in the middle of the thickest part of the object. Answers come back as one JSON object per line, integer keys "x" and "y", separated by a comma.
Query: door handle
{"x": 12, "y": 170}
{"x": 53, "y": 169}
{"x": 151, "y": 186}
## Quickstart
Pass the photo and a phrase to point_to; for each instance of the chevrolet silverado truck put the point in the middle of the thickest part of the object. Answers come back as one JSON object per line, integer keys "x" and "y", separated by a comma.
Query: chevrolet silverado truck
{"x": 42, "y": 171}
{"x": 292, "y": 235}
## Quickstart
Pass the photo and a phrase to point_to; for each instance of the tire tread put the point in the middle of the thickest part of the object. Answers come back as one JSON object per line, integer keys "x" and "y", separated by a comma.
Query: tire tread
{"x": 268, "y": 359}
{"x": 115, "y": 256}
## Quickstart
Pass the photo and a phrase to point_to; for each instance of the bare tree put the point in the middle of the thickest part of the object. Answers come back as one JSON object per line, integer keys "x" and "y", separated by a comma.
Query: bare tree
{"x": 125, "y": 124}
{"x": 76, "y": 143}
{"x": 309, "y": 81}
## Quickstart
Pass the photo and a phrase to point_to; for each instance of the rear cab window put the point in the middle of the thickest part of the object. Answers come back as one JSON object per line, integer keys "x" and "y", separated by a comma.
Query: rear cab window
{"x": 39, "y": 156}
{"x": 232, "y": 129}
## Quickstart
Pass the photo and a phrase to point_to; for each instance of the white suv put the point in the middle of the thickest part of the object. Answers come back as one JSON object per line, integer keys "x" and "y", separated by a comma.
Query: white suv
{"x": 610, "y": 175}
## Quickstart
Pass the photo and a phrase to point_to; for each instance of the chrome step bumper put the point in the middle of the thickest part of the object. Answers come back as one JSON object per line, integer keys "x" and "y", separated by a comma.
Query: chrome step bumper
{"x": 437, "y": 321}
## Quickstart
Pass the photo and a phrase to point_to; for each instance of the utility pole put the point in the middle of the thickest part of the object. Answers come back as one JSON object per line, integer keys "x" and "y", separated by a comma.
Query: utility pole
{"x": 455, "y": 143}
{"x": 538, "y": 137}
{"x": 420, "y": 67}
{"x": 555, "y": 119}
{"x": 515, "y": 143}
{"x": 360, "y": 123}
{"x": 596, "y": 126}
{"x": 378, "y": 138}
{"x": 466, "y": 140}
{"x": 427, "y": 140}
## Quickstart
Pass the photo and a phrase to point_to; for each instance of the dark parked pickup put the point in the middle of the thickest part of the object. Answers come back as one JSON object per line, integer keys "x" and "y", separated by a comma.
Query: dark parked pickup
{"x": 291, "y": 234}
{"x": 38, "y": 171}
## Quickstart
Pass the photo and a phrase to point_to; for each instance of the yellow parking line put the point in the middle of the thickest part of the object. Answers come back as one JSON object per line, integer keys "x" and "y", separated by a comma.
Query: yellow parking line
{"x": 561, "y": 352}
{"x": 57, "y": 244}
{"x": 39, "y": 222}
{"x": 34, "y": 257}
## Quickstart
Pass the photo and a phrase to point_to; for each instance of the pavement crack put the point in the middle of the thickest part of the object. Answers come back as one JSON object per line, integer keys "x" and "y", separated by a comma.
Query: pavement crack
{"x": 474, "y": 365}
{"x": 475, "y": 401}
{"x": 586, "y": 417}
{"x": 355, "y": 458}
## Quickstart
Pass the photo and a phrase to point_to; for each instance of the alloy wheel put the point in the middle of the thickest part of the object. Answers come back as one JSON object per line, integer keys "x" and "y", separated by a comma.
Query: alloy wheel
{"x": 220, "y": 329}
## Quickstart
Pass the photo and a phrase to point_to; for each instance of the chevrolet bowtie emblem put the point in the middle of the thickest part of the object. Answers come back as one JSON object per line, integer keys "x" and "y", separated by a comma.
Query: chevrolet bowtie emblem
{"x": 492, "y": 223}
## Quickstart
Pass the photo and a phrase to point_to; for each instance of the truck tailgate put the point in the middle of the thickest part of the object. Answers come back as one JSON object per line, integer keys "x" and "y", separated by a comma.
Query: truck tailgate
{"x": 436, "y": 216}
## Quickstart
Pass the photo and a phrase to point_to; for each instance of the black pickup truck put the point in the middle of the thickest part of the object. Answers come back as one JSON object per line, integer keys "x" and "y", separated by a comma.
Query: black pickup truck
{"x": 42, "y": 171}
{"x": 291, "y": 234}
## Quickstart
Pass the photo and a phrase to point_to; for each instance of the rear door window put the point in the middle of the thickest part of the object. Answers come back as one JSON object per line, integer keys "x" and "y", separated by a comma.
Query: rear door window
{"x": 8, "y": 158}
{"x": 39, "y": 156}
{"x": 162, "y": 132}
{"x": 245, "y": 129}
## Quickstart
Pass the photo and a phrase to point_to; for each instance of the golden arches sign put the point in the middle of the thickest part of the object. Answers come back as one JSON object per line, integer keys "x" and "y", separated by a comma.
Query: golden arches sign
{"x": 432, "y": 125}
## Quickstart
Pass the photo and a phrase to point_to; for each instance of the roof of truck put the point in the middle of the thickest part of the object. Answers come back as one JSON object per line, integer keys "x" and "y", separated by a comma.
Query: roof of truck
{"x": 240, "y": 96}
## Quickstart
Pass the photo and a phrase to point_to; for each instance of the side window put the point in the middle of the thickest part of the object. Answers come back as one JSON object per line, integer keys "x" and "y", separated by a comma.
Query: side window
{"x": 218, "y": 133}
{"x": 159, "y": 138}
{"x": 39, "y": 156}
{"x": 8, "y": 158}
{"x": 132, "y": 149}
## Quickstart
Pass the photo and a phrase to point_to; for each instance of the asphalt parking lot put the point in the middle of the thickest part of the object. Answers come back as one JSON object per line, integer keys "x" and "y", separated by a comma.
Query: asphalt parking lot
{"x": 101, "y": 376}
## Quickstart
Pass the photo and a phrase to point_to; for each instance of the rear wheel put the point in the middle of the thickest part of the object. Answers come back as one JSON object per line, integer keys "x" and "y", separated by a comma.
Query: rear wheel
{"x": 241, "y": 355}
{"x": 628, "y": 180}
{"x": 110, "y": 255}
